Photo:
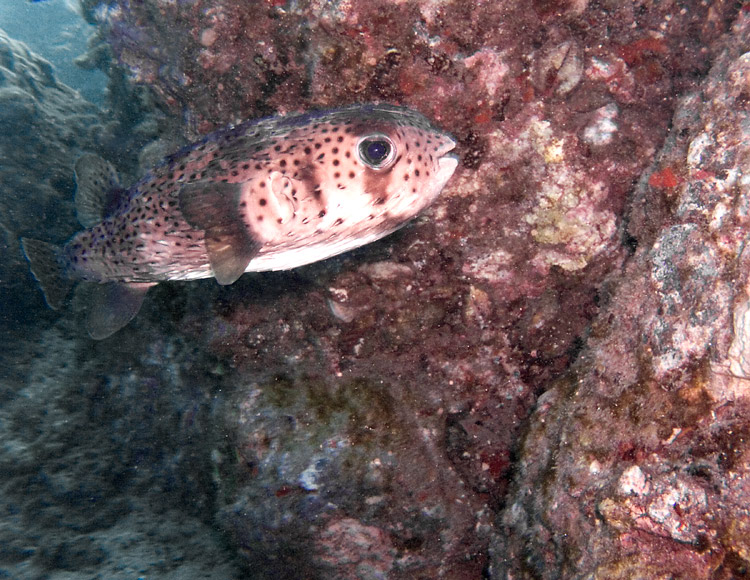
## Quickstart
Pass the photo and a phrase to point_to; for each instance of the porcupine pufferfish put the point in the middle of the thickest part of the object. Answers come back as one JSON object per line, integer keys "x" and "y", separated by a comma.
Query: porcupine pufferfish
{"x": 270, "y": 194}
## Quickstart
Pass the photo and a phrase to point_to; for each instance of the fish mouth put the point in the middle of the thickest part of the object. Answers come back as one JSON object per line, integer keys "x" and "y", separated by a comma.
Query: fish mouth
{"x": 448, "y": 158}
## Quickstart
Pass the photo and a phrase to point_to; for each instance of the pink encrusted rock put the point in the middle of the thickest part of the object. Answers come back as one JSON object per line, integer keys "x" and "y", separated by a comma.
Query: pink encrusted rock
{"x": 464, "y": 317}
{"x": 636, "y": 463}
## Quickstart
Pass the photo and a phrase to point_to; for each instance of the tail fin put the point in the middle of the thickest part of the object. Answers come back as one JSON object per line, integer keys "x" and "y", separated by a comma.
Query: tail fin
{"x": 47, "y": 268}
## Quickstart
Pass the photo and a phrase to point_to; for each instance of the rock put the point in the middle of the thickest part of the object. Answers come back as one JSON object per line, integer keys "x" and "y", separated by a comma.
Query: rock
{"x": 46, "y": 125}
{"x": 558, "y": 110}
{"x": 361, "y": 418}
{"x": 635, "y": 465}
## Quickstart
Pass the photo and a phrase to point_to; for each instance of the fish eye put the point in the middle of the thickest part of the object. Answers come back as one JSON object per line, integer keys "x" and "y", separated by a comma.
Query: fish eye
{"x": 376, "y": 151}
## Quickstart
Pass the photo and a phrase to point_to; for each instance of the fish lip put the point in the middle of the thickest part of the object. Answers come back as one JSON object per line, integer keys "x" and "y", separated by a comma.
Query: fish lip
{"x": 447, "y": 164}
{"x": 450, "y": 145}
{"x": 447, "y": 157}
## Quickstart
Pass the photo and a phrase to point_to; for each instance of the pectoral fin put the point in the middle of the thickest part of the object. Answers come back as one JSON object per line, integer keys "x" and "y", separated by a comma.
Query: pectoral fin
{"x": 215, "y": 209}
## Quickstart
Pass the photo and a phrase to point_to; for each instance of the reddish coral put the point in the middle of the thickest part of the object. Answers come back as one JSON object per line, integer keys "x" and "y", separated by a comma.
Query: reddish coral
{"x": 636, "y": 462}
{"x": 558, "y": 107}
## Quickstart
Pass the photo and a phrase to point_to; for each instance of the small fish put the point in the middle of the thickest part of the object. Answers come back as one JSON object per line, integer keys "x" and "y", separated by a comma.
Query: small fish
{"x": 272, "y": 194}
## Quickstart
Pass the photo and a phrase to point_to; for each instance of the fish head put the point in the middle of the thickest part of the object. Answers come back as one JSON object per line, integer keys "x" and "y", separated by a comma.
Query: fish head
{"x": 352, "y": 175}
{"x": 395, "y": 163}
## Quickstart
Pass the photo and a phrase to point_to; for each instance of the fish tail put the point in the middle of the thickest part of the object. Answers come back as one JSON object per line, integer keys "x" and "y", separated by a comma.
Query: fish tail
{"x": 47, "y": 266}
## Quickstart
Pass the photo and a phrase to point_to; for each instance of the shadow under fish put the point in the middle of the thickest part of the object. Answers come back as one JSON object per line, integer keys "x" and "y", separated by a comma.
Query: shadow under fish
{"x": 270, "y": 194}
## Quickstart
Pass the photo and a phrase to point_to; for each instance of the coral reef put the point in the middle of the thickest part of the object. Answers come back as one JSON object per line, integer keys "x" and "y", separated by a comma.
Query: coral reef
{"x": 406, "y": 371}
{"x": 91, "y": 483}
{"x": 44, "y": 124}
{"x": 100, "y": 474}
{"x": 359, "y": 418}
{"x": 636, "y": 462}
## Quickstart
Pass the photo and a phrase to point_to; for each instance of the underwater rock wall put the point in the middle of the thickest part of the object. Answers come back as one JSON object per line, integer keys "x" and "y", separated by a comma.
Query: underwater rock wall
{"x": 45, "y": 125}
{"x": 360, "y": 418}
{"x": 636, "y": 463}
{"x": 377, "y": 399}
{"x": 105, "y": 460}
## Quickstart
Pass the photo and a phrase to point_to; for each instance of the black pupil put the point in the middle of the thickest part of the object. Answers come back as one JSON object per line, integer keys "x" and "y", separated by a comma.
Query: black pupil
{"x": 375, "y": 152}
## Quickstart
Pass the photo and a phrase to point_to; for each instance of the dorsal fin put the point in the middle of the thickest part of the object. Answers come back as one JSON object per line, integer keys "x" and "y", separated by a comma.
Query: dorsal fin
{"x": 98, "y": 189}
{"x": 214, "y": 207}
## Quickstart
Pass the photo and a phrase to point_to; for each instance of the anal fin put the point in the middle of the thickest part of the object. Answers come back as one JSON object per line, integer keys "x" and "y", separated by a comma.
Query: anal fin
{"x": 214, "y": 207}
{"x": 112, "y": 306}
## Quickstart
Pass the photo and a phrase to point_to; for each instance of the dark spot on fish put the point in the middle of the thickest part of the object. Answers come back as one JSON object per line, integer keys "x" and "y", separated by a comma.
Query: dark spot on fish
{"x": 406, "y": 177}
{"x": 243, "y": 204}
{"x": 419, "y": 157}
{"x": 336, "y": 162}
{"x": 416, "y": 172}
{"x": 338, "y": 222}
{"x": 258, "y": 167}
{"x": 348, "y": 154}
{"x": 317, "y": 145}
{"x": 340, "y": 138}
{"x": 335, "y": 150}
{"x": 352, "y": 175}
{"x": 282, "y": 163}
{"x": 262, "y": 183}
{"x": 336, "y": 175}
{"x": 379, "y": 201}
{"x": 262, "y": 201}
{"x": 259, "y": 218}
{"x": 308, "y": 151}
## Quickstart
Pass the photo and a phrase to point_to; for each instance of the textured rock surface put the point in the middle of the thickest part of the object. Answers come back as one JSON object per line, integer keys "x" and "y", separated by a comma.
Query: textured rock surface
{"x": 636, "y": 464}
{"x": 105, "y": 461}
{"x": 44, "y": 125}
{"x": 358, "y": 418}
{"x": 377, "y": 398}
{"x": 92, "y": 482}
